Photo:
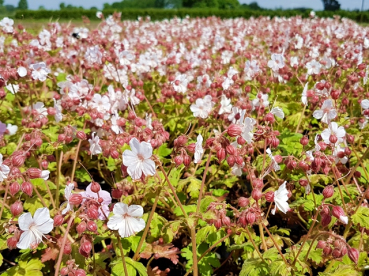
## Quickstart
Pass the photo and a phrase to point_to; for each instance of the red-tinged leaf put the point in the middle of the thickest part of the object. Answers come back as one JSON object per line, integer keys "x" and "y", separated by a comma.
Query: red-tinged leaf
{"x": 49, "y": 254}
{"x": 161, "y": 251}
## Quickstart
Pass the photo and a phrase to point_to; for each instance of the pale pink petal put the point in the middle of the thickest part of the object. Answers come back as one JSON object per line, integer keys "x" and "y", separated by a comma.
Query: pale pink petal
{"x": 318, "y": 114}
{"x": 120, "y": 209}
{"x": 135, "y": 145}
{"x": 25, "y": 221}
{"x": 26, "y": 239}
{"x": 135, "y": 170}
{"x": 115, "y": 222}
{"x": 135, "y": 211}
{"x": 148, "y": 167}
{"x": 135, "y": 224}
{"x": 146, "y": 150}
{"x": 129, "y": 158}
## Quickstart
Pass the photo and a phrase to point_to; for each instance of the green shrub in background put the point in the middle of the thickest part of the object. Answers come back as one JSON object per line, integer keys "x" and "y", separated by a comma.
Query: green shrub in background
{"x": 160, "y": 14}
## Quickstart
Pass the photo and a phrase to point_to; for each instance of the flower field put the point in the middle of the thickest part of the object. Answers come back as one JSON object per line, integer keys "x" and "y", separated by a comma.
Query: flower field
{"x": 185, "y": 147}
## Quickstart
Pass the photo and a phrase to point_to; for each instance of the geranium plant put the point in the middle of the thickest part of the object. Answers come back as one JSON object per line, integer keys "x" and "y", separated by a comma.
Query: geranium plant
{"x": 187, "y": 146}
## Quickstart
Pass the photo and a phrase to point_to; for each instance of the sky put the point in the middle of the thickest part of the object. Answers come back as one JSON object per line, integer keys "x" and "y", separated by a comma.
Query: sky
{"x": 286, "y": 4}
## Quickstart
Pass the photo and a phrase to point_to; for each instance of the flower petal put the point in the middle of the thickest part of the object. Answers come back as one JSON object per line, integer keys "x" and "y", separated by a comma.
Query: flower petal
{"x": 120, "y": 209}
{"x": 135, "y": 211}
{"x": 25, "y": 221}
{"x": 41, "y": 216}
{"x": 148, "y": 167}
{"x": 146, "y": 150}
{"x": 26, "y": 239}
{"x": 135, "y": 145}
{"x": 115, "y": 222}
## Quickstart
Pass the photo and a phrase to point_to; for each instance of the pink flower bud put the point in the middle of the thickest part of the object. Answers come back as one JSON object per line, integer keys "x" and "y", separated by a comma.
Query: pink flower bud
{"x": 333, "y": 139}
{"x": 250, "y": 218}
{"x": 178, "y": 160}
{"x": 321, "y": 244}
{"x": 327, "y": 250}
{"x": 81, "y": 135}
{"x": 218, "y": 223}
{"x": 14, "y": 188}
{"x": 81, "y": 227}
{"x": 240, "y": 140}
{"x": 269, "y": 196}
{"x": 27, "y": 188}
{"x": 61, "y": 138}
{"x": 256, "y": 194}
{"x": 231, "y": 150}
{"x": 234, "y": 130}
{"x": 191, "y": 147}
{"x": 269, "y": 118}
{"x": 44, "y": 164}
{"x": 67, "y": 249}
{"x": 34, "y": 173}
{"x": 303, "y": 166}
{"x": 338, "y": 212}
{"x": 304, "y": 141}
{"x": 328, "y": 191}
{"x": 243, "y": 201}
{"x": 75, "y": 199}
{"x": 93, "y": 212}
{"x": 116, "y": 193}
{"x": 221, "y": 154}
{"x": 239, "y": 160}
{"x": 86, "y": 246}
{"x": 58, "y": 220}
{"x": 95, "y": 187}
{"x": 64, "y": 271}
{"x": 16, "y": 208}
{"x": 114, "y": 154}
{"x": 353, "y": 254}
{"x": 186, "y": 160}
{"x": 79, "y": 272}
{"x": 336, "y": 253}
{"x": 226, "y": 221}
{"x": 231, "y": 160}
{"x": 18, "y": 160}
{"x": 303, "y": 182}
{"x": 326, "y": 220}
{"x": 12, "y": 243}
{"x": 91, "y": 226}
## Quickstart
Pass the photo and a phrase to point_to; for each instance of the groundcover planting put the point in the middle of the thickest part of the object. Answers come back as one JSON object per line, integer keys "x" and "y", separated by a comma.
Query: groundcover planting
{"x": 184, "y": 146}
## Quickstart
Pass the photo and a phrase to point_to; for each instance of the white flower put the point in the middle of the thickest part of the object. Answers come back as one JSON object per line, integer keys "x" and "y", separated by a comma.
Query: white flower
{"x": 276, "y": 62}
{"x": 137, "y": 160}
{"x": 366, "y": 43}
{"x": 148, "y": 120}
{"x": 313, "y": 67}
{"x": 251, "y": 68}
{"x": 261, "y": 99}
{"x": 333, "y": 129}
{"x": 365, "y": 105}
{"x": 278, "y": 112}
{"x": 40, "y": 71}
{"x": 93, "y": 54}
{"x": 274, "y": 164}
{"x": 101, "y": 103}
{"x": 180, "y": 83}
{"x": 125, "y": 57}
{"x": 294, "y": 61}
{"x": 7, "y": 24}
{"x": 4, "y": 169}
{"x": 338, "y": 159}
{"x": 40, "y": 108}
{"x": 199, "y": 151}
{"x": 12, "y": 129}
{"x": 202, "y": 107}
{"x": 114, "y": 124}
{"x": 99, "y": 14}
{"x": 280, "y": 199}
{"x": 237, "y": 169}
{"x": 94, "y": 145}
{"x": 22, "y": 71}
{"x": 326, "y": 113}
{"x": 225, "y": 105}
{"x": 304, "y": 95}
{"x": 247, "y": 131}
{"x": 58, "y": 111}
{"x": 45, "y": 174}
{"x": 127, "y": 220}
{"x": 34, "y": 228}
{"x": 236, "y": 115}
{"x": 67, "y": 193}
{"x": 13, "y": 88}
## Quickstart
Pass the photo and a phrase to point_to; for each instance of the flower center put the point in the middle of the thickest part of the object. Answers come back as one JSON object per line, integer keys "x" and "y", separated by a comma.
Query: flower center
{"x": 140, "y": 157}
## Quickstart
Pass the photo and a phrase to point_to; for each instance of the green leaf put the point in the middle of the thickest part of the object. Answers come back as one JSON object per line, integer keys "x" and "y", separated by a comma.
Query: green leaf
{"x": 203, "y": 233}
{"x": 31, "y": 268}
{"x": 52, "y": 132}
{"x": 342, "y": 270}
{"x": 33, "y": 203}
{"x": 83, "y": 176}
{"x": 219, "y": 192}
{"x": 271, "y": 254}
{"x": 164, "y": 151}
{"x": 254, "y": 267}
{"x": 279, "y": 268}
{"x": 206, "y": 264}
{"x": 187, "y": 208}
{"x": 8, "y": 149}
{"x": 308, "y": 202}
{"x": 111, "y": 164}
{"x": 361, "y": 217}
{"x": 141, "y": 269}
{"x": 118, "y": 270}
{"x": 193, "y": 188}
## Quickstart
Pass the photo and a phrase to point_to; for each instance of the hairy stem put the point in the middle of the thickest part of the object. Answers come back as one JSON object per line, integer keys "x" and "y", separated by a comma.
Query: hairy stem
{"x": 57, "y": 266}
{"x": 203, "y": 182}
{"x": 122, "y": 255}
